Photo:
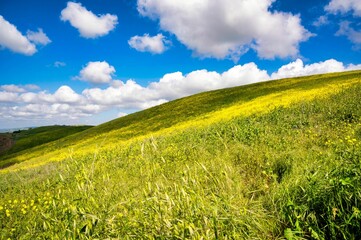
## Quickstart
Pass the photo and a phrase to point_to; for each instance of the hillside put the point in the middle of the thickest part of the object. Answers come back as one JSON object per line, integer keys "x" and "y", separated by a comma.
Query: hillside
{"x": 199, "y": 110}
{"x": 273, "y": 160}
{"x": 21, "y": 140}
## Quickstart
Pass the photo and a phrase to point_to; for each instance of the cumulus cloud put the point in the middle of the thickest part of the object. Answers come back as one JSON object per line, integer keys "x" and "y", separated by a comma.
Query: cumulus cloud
{"x": 19, "y": 102}
{"x": 18, "y": 88}
{"x": 88, "y": 24}
{"x": 176, "y": 85}
{"x": 156, "y": 44}
{"x": 128, "y": 95}
{"x": 97, "y": 72}
{"x": 66, "y": 95}
{"x": 12, "y": 88}
{"x": 64, "y": 103}
{"x": 297, "y": 68}
{"x": 352, "y": 35}
{"x": 12, "y": 39}
{"x": 344, "y": 6}
{"x": 228, "y": 28}
{"x": 8, "y": 96}
{"x": 38, "y": 37}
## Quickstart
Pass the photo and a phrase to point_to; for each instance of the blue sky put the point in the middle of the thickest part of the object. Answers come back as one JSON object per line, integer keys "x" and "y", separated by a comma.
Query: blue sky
{"x": 90, "y": 61}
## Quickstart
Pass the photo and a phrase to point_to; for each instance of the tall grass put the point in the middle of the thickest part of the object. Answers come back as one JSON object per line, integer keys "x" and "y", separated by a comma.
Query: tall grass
{"x": 292, "y": 173}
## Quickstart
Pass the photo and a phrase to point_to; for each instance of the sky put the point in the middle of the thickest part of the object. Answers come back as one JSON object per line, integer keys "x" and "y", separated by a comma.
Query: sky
{"x": 90, "y": 61}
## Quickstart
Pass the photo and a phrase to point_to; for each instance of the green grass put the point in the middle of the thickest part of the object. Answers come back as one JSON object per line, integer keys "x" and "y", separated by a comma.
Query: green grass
{"x": 285, "y": 171}
{"x": 28, "y": 139}
{"x": 192, "y": 112}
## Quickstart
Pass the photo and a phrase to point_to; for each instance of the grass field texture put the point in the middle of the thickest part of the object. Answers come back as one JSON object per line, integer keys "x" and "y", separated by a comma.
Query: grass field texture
{"x": 274, "y": 160}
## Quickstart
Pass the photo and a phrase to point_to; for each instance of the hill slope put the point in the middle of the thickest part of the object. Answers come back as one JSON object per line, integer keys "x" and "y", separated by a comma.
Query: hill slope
{"x": 195, "y": 111}
{"x": 28, "y": 139}
{"x": 280, "y": 163}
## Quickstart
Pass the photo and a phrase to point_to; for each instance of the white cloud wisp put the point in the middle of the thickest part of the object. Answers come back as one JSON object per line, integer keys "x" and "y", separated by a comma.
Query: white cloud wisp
{"x": 38, "y": 37}
{"x": 352, "y": 35}
{"x": 344, "y": 6}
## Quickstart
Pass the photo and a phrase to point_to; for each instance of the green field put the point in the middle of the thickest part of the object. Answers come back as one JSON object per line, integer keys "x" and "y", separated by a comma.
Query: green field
{"x": 28, "y": 139}
{"x": 274, "y": 160}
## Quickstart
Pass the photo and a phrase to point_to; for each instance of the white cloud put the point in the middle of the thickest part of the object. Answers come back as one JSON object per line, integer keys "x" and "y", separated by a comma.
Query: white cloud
{"x": 344, "y": 6}
{"x": 38, "y": 37}
{"x": 12, "y": 88}
{"x": 97, "y": 72}
{"x": 321, "y": 21}
{"x": 128, "y": 95}
{"x": 18, "y": 88}
{"x": 244, "y": 74}
{"x": 228, "y": 28}
{"x": 8, "y": 96}
{"x": 11, "y": 38}
{"x": 19, "y": 102}
{"x": 64, "y": 104}
{"x": 156, "y": 44}
{"x": 88, "y": 24}
{"x": 59, "y": 64}
{"x": 175, "y": 85}
{"x": 131, "y": 95}
{"x": 63, "y": 94}
{"x": 297, "y": 68}
{"x": 352, "y": 35}
{"x": 31, "y": 87}
{"x": 66, "y": 95}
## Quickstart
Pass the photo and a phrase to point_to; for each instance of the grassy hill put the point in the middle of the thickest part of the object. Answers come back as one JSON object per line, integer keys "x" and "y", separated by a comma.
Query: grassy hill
{"x": 274, "y": 160}
{"x": 28, "y": 139}
{"x": 192, "y": 112}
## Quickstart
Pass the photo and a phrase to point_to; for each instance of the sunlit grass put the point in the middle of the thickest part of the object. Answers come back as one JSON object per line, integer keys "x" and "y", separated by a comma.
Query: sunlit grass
{"x": 196, "y": 111}
{"x": 280, "y": 165}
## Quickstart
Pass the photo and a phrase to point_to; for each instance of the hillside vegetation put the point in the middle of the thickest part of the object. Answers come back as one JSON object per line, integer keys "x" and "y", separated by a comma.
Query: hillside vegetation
{"x": 27, "y": 139}
{"x": 197, "y": 111}
{"x": 275, "y": 160}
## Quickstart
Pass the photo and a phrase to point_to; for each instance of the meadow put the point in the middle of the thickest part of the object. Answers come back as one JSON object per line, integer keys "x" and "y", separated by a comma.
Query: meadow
{"x": 28, "y": 139}
{"x": 274, "y": 160}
